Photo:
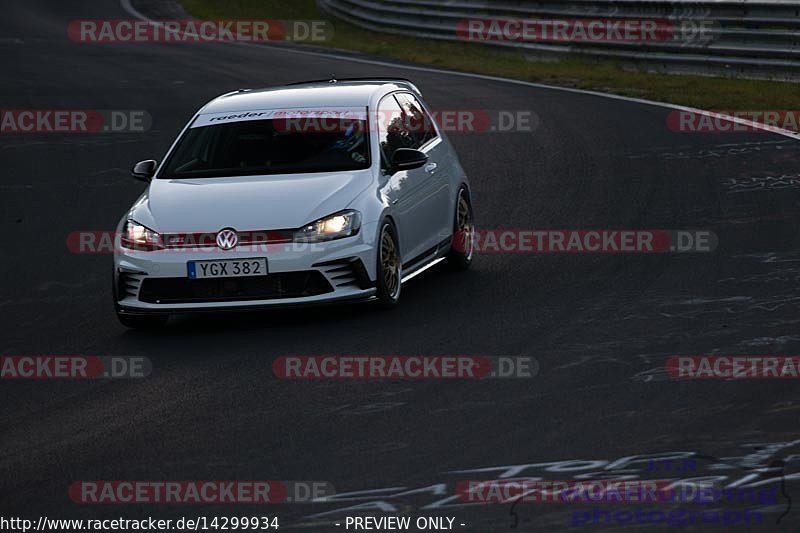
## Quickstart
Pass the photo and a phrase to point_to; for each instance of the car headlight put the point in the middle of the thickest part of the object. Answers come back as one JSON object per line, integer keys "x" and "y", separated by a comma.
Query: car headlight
{"x": 138, "y": 237}
{"x": 336, "y": 226}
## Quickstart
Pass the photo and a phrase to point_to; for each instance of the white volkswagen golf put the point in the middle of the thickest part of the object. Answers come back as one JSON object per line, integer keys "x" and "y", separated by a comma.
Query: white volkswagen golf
{"x": 310, "y": 193}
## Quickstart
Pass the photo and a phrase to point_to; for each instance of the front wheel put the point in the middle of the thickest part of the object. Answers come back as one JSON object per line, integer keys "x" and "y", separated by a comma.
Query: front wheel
{"x": 390, "y": 267}
{"x": 463, "y": 246}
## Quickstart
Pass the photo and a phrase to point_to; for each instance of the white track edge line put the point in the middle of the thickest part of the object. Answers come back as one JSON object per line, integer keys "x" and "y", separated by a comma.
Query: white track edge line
{"x": 128, "y": 7}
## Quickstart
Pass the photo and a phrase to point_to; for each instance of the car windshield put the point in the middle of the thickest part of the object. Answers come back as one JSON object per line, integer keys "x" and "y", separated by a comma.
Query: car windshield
{"x": 275, "y": 146}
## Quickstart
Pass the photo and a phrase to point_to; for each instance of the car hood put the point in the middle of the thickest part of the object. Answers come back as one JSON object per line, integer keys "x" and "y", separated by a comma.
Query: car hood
{"x": 282, "y": 201}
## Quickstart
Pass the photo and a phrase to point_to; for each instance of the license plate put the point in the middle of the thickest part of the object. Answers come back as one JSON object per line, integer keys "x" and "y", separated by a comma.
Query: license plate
{"x": 228, "y": 268}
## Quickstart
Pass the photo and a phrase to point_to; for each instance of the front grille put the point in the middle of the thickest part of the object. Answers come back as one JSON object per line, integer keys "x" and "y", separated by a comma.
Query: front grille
{"x": 205, "y": 240}
{"x": 272, "y": 286}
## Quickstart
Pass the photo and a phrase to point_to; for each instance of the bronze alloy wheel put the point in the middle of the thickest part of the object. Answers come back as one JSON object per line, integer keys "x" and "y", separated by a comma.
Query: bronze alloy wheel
{"x": 390, "y": 263}
{"x": 465, "y": 227}
{"x": 463, "y": 246}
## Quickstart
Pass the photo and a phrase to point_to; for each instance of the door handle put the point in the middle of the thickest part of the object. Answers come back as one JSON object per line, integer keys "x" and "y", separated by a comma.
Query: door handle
{"x": 430, "y": 168}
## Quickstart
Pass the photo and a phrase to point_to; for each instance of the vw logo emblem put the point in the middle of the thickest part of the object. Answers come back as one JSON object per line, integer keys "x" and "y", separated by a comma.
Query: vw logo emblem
{"x": 227, "y": 239}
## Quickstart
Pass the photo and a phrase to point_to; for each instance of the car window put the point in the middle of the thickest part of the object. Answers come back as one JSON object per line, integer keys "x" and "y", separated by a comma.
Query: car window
{"x": 420, "y": 123}
{"x": 393, "y": 128}
{"x": 269, "y": 147}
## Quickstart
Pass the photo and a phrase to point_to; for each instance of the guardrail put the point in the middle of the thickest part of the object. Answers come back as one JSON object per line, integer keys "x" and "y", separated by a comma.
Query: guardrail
{"x": 749, "y": 38}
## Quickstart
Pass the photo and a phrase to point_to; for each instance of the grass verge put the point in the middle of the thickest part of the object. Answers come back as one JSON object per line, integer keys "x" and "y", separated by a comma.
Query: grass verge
{"x": 696, "y": 91}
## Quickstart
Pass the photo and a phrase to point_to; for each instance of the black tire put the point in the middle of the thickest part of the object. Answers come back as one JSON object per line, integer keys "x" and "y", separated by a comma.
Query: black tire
{"x": 462, "y": 251}
{"x": 389, "y": 282}
{"x": 142, "y": 321}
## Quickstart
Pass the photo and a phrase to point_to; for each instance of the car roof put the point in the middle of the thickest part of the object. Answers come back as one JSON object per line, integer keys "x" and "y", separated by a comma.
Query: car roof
{"x": 323, "y": 93}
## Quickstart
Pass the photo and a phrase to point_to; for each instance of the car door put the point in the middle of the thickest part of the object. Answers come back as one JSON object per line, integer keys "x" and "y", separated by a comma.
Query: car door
{"x": 416, "y": 195}
{"x": 438, "y": 224}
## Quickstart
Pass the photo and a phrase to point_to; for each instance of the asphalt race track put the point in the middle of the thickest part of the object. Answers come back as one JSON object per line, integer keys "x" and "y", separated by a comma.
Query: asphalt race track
{"x": 601, "y": 326}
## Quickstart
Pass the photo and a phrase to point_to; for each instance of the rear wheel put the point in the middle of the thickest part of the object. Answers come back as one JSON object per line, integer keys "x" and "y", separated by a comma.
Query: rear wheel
{"x": 390, "y": 267}
{"x": 463, "y": 247}
{"x": 142, "y": 321}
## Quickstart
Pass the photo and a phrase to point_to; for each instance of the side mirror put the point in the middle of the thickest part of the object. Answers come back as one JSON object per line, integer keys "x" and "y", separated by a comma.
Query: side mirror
{"x": 407, "y": 159}
{"x": 144, "y": 170}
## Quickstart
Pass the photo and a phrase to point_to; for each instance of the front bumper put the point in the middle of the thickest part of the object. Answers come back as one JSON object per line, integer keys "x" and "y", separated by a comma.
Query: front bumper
{"x": 298, "y": 275}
